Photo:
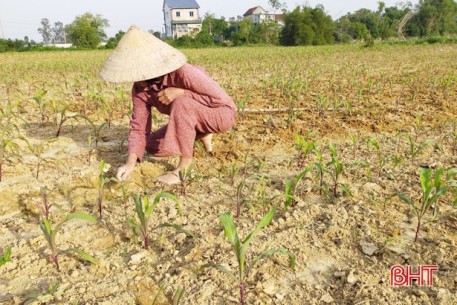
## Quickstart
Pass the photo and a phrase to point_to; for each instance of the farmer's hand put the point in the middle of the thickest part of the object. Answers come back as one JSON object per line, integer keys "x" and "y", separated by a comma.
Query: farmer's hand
{"x": 124, "y": 171}
{"x": 168, "y": 95}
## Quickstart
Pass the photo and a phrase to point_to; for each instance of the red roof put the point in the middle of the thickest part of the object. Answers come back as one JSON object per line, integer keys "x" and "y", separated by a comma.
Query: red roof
{"x": 250, "y": 11}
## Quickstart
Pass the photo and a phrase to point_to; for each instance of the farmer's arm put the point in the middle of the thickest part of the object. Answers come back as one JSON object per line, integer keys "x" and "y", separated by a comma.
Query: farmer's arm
{"x": 140, "y": 128}
{"x": 200, "y": 86}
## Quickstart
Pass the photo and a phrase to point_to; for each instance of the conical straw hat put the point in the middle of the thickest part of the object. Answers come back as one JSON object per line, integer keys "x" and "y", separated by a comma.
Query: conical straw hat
{"x": 140, "y": 55}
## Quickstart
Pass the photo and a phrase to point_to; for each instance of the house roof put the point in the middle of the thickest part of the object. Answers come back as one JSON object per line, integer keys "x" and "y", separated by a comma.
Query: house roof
{"x": 279, "y": 17}
{"x": 181, "y": 4}
{"x": 251, "y": 11}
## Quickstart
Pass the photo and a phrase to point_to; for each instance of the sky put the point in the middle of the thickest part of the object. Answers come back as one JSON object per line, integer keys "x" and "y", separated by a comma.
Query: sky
{"x": 23, "y": 18}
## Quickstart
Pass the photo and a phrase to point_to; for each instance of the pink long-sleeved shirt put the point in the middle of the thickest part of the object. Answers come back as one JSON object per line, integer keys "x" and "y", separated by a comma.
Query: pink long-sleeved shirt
{"x": 197, "y": 85}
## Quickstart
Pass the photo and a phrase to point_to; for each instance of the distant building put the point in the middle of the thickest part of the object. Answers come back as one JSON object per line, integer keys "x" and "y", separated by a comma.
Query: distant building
{"x": 182, "y": 17}
{"x": 258, "y": 14}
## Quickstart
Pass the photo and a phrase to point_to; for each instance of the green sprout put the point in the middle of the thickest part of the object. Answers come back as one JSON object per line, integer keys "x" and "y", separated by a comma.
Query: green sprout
{"x": 186, "y": 177}
{"x": 433, "y": 188}
{"x": 38, "y": 151}
{"x": 5, "y": 257}
{"x": 415, "y": 150}
{"x": 291, "y": 186}
{"x": 239, "y": 197}
{"x": 62, "y": 116}
{"x": 102, "y": 182}
{"x": 303, "y": 146}
{"x": 45, "y": 206}
{"x": 241, "y": 247}
{"x": 143, "y": 212}
{"x": 321, "y": 168}
{"x": 179, "y": 293}
{"x": 337, "y": 169}
{"x": 50, "y": 236}
{"x": 7, "y": 147}
{"x": 382, "y": 160}
{"x": 38, "y": 98}
{"x": 96, "y": 130}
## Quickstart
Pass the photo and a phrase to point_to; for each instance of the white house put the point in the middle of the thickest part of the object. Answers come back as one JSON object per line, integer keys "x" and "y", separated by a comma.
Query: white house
{"x": 182, "y": 17}
{"x": 258, "y": 14}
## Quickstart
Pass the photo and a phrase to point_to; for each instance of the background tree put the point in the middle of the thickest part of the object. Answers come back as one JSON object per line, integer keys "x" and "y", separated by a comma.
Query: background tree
{"x": 276, "y": 5}
{"x": 113, "y": 41}
{"x": 45, "y": 30}
{"x": 266, "y": 32}
{"x": 87, "y": 31}
{"x": 436, "y": 17}
{"x": 307, "y": 26}
{"x": 215, "y": 27}
{"x": 58, "y": 32}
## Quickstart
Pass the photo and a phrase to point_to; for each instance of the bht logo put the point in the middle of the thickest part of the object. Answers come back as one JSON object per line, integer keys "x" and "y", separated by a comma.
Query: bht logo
{"x": 405, "y": 275}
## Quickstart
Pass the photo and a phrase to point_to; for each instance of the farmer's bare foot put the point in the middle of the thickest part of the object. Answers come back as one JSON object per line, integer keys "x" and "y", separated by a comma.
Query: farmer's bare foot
{"x": 173, "y": 177}
{"x": 168, "y": 178}
{"x": 207, "y": 142}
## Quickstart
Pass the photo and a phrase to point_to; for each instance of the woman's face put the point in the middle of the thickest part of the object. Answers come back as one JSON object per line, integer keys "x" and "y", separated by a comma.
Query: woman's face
{"x": 154, "y": 84}
{"x": 142, "y": 84}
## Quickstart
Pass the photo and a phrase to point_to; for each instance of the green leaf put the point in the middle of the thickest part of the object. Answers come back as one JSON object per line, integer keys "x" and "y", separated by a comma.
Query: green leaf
{"x": 178, "y": 295}
{"x": 101, "y": 167}
{"x": 270, "y": 252}
{"x": 82, "y": 216}
{"x": 229, "y": 228}
{"x": 406, "y": 199}
{"x": 451, "y": 173}
{"x": 139, "y": 209}
{"x": 133, "y": 224}
{"x": 425, "y": 175}
{"x": 160, "y": 195}
{"x": 226, "y": 271}
{"x": 303, "y": 173}
{"x": 7, "y": 255}
{"x": 84, "y": 255}
{"x": 177, "y": 228}
{"x": 332, "y": 149}
{"x": 245, "y": 244}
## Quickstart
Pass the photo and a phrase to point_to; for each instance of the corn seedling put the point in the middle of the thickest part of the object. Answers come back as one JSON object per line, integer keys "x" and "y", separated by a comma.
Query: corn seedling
{"x": 232, "y": 171}
{"x": 6, "y": 146}
{"x": 291, "y": 117}
{"x": 186, "y": 177}
{"x": 38, "y": 151}
{"x": 44, "y": 206}
{"x": 239, "y": 197}
{"x": 52, "y": 295}
{"x": 102, "y": 182}
{"x": 50, "y": 236}
{"x": 337, "y": 169}
{"x": 5, "y": 257}
{"x": 61, "y": 117}
{"x": 261, "y": 187}
{"x": 321, "y": 168}
{"x": 96, "y": 130}
{"x": 433, "y": 188}
{"x": 179, "y": 293}
{"x": 304, "y": 146}
{"x": 143, "y": 212}
{"x": 415, "y": 150}
{"x": 241, "y": 247}
{"x": 291, "y": 186}
{"x": 382, "y": 160}
{"x": 38, "y": 98}
{"x": 90, "y": 144}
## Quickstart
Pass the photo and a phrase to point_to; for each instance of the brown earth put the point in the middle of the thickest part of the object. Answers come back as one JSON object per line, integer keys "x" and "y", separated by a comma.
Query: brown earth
{"x": 344, "y": 245}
